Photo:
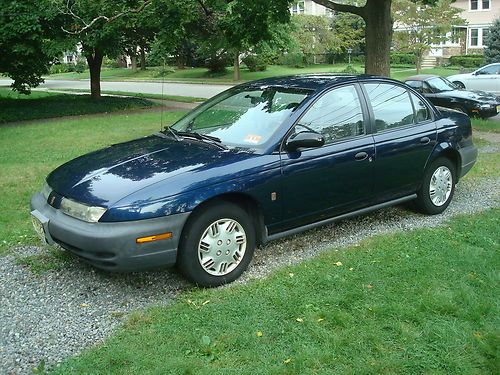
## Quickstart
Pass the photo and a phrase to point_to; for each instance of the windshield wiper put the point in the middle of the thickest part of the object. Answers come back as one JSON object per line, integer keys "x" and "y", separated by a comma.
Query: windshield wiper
{"x": 202, "y": 137}
{"x": 173, "y": 132}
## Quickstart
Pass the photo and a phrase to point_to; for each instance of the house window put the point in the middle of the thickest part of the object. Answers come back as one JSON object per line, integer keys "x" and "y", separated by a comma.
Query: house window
{"x": 474, "y": 4}
{"x": 455, "y": 36}
{"x": 298, "y": 7}
{"x": 474, "y": 37}
{"x": 486, "y": 4}
{"x": 480, "y": 4}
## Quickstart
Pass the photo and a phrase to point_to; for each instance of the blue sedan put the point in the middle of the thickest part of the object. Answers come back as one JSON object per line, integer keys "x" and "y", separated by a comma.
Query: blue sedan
{"x": 257, "y": 162}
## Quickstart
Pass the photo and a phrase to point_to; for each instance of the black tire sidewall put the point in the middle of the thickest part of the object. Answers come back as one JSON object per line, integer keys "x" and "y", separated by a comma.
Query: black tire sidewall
{"x": 424, "y": 201}
{"x": 187, "y": 257}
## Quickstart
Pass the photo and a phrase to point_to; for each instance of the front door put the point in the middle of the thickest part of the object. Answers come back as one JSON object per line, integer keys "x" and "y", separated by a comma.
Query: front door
{"x": 337, "y": 177}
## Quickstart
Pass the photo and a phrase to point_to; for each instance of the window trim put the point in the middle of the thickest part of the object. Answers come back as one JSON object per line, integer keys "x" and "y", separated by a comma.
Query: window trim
{"x": 480, "y": 7}
{"x": 364, "y": 111}
{"x": 408, "y": 90}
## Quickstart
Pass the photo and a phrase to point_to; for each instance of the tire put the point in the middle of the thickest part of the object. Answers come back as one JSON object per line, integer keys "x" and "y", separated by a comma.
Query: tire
{"x": 459, "y": 84}
{"x": 437, "y": 188}
{"x": 217, "y": 244}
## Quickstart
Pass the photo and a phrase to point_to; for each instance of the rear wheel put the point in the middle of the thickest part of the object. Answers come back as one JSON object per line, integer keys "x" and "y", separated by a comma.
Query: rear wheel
{"x": 460, "y": 85}
{"x": 217, "y": 244}
{"x": 437, "y": 188}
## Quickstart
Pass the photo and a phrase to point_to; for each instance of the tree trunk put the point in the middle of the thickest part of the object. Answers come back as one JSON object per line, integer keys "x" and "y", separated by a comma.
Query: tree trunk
{"x": 143, "y": 58}
{"x": 133, "y": 61}
{"x": 378, "y": 36}
{"x": 180, "y": 62}
{"x": 418, "y": 61}
{"x": 236, "y": 75}
{"x": 95, "y": 63}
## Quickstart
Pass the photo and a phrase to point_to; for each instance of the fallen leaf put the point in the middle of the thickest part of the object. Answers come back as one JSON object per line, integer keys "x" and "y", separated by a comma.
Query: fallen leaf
{"x": 300, "y": 320}
{"x": 320, "y": 319}
{"x": 291, "y": 274}
{"x": 259, "y": 333}
{"x": 477, "y": 335}
{"x": 350, "y": 269}
{"x": 338, "y": 264}
{"x": 207, "y": 301}
{"x": 84, "y": 305}
{"x": 287, "y": 361}
{"x": 369, "y": 286}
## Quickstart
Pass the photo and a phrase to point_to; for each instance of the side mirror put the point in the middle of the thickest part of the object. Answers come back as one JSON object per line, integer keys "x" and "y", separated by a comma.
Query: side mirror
{"x": 305, "y": 139}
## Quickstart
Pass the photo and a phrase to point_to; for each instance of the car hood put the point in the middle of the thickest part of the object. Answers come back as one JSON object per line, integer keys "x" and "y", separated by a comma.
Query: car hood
{"x": 480, "y": 96}
{"x": 108, "y": 175}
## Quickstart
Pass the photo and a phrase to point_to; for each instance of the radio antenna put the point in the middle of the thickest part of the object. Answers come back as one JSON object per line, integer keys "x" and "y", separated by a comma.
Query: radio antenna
{"x": 162, "y": 101}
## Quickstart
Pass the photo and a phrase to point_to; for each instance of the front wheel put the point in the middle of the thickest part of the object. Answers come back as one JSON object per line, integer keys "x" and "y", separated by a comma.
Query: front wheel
{"x": 217, "y": 244}
{"x": 437, "y": 188}
{"x": 460, "y": 85}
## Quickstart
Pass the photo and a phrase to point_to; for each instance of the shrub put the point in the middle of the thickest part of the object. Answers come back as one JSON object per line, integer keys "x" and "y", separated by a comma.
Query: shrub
{"x": 80, "y": 66}
{"x": 255, "y": 63}
{"x": 61, "y": 68}
{"x": 294, "y": 59}
{"x": 492, "y": 42}
{"x": 467, "y": 61}
{"x": 164, "y": 71}
{"x": 403, "y": 59}
{"x": 217, "y": 64}
{"x": 349, "y": 69}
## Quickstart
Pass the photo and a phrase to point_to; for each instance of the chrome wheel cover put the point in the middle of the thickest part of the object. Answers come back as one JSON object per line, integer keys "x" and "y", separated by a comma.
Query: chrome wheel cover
{"x": 440, "y": 186}
{"x": 222, "y": 247}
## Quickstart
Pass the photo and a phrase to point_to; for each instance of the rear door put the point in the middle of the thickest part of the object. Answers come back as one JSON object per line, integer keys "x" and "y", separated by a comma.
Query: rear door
{"x": 337, "y": 177}
{"x": 404, "y": 134}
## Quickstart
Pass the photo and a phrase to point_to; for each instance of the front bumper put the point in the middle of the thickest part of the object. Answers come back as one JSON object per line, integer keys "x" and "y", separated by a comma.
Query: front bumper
{"x": 111, "y": 246}
{"x": 487, "y": 112}
{"x": 468, "y": 157}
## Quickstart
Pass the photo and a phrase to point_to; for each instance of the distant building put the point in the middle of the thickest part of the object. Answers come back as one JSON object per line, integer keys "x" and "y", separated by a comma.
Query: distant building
{"x": 311, "y": 8}
{"x": 469, "y": 38}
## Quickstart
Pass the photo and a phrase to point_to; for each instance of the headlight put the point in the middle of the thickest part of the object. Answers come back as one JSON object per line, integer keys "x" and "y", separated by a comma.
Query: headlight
{"x": 485, "y": 106}
{"x": 46, "y": 190}
{"x": 81, "y": 211}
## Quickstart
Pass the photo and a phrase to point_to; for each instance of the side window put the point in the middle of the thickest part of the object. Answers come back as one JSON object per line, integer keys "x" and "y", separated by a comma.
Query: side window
{"x": 493, "y": 69}
{"x": 391, "y": 105}
{"x": 421, "y": 111}
{"x": 417, "y": 85}
{"x": 335, "y": 115}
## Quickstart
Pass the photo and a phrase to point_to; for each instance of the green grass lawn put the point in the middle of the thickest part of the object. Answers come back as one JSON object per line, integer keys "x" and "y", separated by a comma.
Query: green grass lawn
{"x": 28, "y": 152}
{"x": 202, "y": 74}
{"x": 175, "y": 98}
{"x": 423, "y": 302}
{"x": 486, "y": 125}
{"x": 19, "y": 107}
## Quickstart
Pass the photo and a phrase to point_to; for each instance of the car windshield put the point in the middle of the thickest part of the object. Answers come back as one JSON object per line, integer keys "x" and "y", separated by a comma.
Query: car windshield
{"x": 243, "y": 117}
{"x": 440, "y": 84}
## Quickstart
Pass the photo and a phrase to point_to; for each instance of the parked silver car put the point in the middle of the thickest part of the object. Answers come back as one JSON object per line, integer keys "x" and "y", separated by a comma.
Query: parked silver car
{"x": 486, "y": 78}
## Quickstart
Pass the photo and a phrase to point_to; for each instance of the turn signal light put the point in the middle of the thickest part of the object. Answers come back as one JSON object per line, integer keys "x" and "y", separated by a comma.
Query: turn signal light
{"x": 156, "y": 237}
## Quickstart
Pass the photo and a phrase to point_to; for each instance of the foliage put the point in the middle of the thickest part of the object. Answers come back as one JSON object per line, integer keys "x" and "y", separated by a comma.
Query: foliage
{"x": 403, "y": 58}
{"x": 492, "y": 42}
{"x": 255, "y": 63}
{"x": 350, "y": 70}
{"x": 216, "y": 30}
{"x": 26, "y": 29}
{"x": 467, "y": 61}
{"x": 294, "y": 59}
{"x": 422, "y": 25}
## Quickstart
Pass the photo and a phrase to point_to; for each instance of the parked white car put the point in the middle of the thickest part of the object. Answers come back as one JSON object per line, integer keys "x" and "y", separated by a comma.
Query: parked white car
{"x": 486, "y": 78}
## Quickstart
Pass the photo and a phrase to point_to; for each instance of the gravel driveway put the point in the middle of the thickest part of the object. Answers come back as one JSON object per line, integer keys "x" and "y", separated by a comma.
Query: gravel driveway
{"x": 55, "y": 314}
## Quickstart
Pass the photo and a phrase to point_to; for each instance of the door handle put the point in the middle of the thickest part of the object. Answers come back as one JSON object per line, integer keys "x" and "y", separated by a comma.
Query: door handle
{"x": 425, "y": 140}
{"x": 360, "y": 156}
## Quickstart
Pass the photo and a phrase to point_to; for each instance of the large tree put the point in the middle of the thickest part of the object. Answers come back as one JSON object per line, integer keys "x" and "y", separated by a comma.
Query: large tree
{"x": 378, "y": 35}
{"x": 420, "y": 26}
{"x": 27, "y": 29}
{"x": 99, "y": 27}
{"x": 492, "y": 42}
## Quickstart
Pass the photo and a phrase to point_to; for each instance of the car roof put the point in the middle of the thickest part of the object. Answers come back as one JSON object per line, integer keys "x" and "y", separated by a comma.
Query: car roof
{"x": 311, "y": 81}
{"x": 421, "y": 77}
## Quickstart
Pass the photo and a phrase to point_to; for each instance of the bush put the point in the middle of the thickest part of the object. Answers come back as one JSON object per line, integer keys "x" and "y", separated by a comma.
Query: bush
{"x": 80, "y": 66}
{"x": 61, "y": 68}
{"x": 255, "y": 63}
{"x": 294, "y": 59}
{"x": 164, "y": 71}
{"x": 467, "y": 61}
{"x": 403, "y": 59}
{"x": 349, "y": 69}
{"x": 217, "y": 64}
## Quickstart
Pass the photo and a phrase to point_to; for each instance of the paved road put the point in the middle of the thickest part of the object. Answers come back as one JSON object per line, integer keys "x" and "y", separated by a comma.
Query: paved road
{"x": 182, "y": 89}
